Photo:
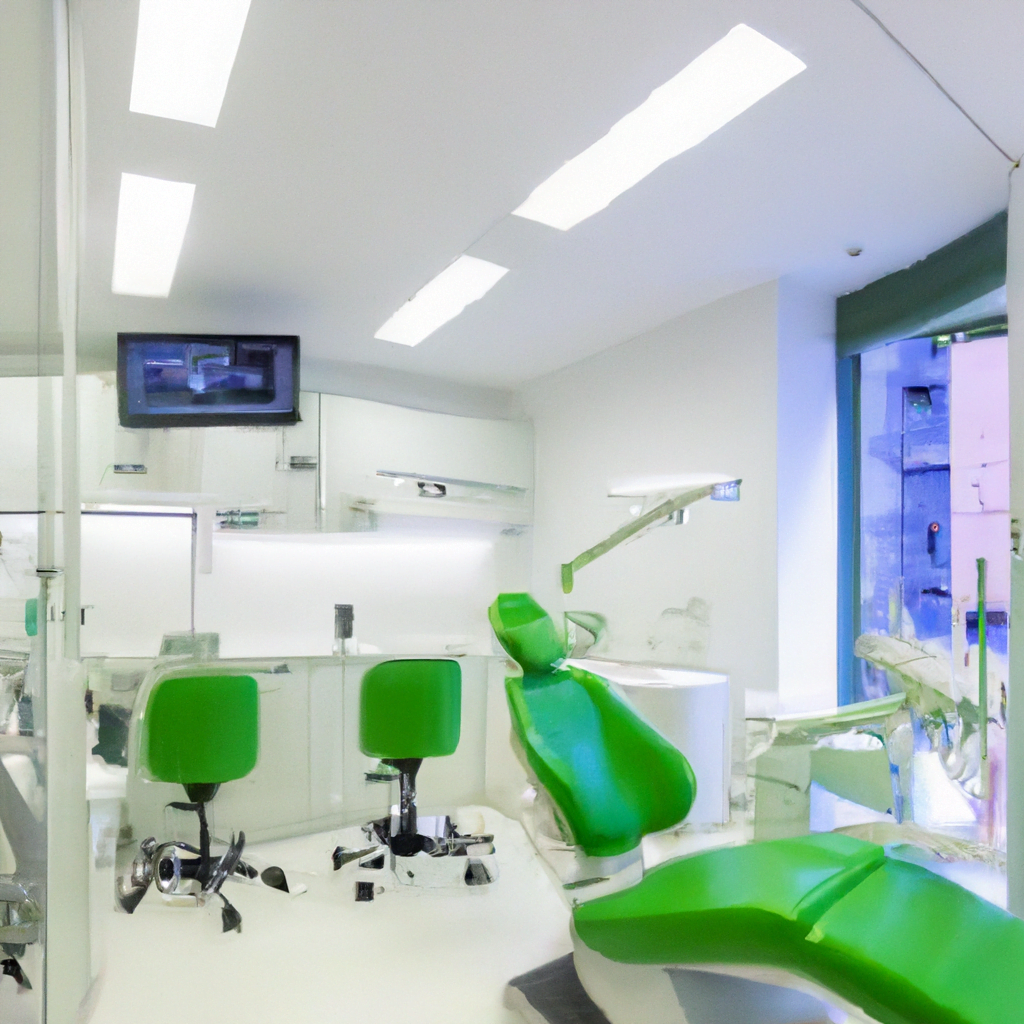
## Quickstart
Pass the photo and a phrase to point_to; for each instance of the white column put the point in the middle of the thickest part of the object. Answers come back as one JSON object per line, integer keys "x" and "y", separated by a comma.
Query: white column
{"x": 67, "y": 818}
{"x": 1015, "y": 709}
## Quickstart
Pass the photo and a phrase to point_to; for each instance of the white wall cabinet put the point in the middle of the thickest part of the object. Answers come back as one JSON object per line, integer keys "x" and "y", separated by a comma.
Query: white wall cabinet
{"x": 29, "y": 463}
{"x": 136, "y": 582}
{"x": 381, "y": 460}
{"x": 324, "y": 472}
{"x": 349, "y": 464}
{"x": 223, "y": 467}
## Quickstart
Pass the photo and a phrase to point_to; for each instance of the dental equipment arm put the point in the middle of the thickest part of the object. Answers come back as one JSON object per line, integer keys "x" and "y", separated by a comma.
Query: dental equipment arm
{"x": 664, "y": 510}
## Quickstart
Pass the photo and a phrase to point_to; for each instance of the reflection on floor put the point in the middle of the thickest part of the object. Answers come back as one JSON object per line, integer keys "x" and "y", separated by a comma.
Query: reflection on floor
{"x": 319, "y": 956}
{"x": 21, "y": 1005}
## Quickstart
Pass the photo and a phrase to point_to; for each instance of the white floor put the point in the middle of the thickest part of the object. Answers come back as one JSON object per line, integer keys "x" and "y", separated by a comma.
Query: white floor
{"x": 419, "y": 955}
{"x": 434, "y": 957}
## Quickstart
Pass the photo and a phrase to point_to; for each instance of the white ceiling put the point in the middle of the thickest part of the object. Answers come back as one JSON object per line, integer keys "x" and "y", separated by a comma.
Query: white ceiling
{"x": 364, "y": 144}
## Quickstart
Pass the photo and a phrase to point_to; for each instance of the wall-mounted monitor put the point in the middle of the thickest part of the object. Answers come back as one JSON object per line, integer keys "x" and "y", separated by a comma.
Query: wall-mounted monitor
{"x": 207, "y": 380}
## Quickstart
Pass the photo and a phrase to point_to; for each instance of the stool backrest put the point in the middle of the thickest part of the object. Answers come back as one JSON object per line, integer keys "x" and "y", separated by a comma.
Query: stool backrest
{"x": 411, "y": 708}
{"x": 200, "y": 729}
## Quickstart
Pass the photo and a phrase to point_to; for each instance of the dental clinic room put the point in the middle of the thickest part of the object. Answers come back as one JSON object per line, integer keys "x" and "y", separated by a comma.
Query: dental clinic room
{"x": 510, "y": 512}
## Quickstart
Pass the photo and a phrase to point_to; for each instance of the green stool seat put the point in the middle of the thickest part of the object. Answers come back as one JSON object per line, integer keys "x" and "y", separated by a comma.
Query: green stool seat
{"x": 201, "y": 729}
{"x": 411, "y": 708}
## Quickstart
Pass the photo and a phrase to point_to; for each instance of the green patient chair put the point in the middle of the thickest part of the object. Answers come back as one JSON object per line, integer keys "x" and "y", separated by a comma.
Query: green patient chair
{"x": 408, "y": 710}
{"x": 882, "y": 937}
{"x": 199, "y": 731}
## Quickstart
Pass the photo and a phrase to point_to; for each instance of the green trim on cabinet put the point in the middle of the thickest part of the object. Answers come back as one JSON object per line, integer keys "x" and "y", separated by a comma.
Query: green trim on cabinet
{"x": 902, "y": 304}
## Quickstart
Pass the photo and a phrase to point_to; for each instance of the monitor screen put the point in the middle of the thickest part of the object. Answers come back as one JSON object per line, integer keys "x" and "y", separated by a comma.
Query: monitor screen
{"x": 197, "y": 380}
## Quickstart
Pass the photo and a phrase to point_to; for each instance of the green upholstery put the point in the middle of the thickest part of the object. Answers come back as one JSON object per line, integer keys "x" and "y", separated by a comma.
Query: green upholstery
{"x": 905, "y": 945}
{"x": 913, "y": 948}
{"x": 410, "y": 709}
{"x": 527, "y": 632}
{"x": 201, "y": 729}
{"x": 743, "y": 904}
{"x": 613, "y": 777}
{"x": 893, "y": 938}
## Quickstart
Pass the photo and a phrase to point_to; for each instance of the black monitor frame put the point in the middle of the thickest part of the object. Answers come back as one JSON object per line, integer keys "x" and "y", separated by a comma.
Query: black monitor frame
{"x": 203, "y": 419}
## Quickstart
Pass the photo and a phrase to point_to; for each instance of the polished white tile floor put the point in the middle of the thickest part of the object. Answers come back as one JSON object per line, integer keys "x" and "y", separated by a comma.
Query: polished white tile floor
{"x": 431, "y": 956}
{"x": 420, "y": 955}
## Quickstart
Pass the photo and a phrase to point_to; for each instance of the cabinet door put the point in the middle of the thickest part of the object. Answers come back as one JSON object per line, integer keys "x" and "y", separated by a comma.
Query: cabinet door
{"x": 298, "y": 467}
{"x": 240, "y": 466}
{"x": 136, "y": 582}
{"x": 485, "y": 466}
{"x": 224, "y": 467}
{"x": 171, "y": 458}
{"x": 24, "y": 461}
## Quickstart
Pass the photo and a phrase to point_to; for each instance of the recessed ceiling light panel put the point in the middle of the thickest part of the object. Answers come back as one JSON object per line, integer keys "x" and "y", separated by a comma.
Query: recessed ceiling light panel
{"x": 441, "y": 300}
{"x": 184, "y": 52}
{"x": 726, "y": 79}
{"x": 152, "y": 215}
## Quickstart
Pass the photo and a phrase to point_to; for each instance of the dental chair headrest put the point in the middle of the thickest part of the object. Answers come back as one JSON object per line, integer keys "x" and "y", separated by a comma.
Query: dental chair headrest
{"x": 527, "y": 632}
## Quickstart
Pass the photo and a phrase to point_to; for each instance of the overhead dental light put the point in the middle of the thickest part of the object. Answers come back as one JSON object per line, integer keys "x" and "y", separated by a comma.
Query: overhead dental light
{"x": 441, "y": 300}
{"x": 727, "y": 78}
{"x": 152, "y": 215}
{"x": 184, "y": 53}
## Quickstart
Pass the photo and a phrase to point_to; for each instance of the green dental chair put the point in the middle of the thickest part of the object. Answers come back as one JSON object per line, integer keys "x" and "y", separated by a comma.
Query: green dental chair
{"x": 411, "y": 709}
{"x": 199, "y": 731}
{"x": 829, "y": 915}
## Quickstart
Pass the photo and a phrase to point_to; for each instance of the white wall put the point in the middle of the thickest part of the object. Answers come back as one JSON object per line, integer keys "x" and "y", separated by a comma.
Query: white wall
{"x": 395, "y": 387}
{"x": 744, "y": 386}
{"x": 421, "y": 580}
{"x": 695, "y": 395}
{"x": 807, "y": 498}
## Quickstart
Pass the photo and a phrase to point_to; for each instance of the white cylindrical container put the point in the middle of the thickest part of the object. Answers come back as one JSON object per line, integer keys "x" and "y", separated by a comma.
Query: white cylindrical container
{"x": 690, "y": 708}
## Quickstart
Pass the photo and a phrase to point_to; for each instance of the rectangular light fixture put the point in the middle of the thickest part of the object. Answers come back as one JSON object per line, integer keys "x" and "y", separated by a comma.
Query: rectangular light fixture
{"x": 152, "y": 215}
{"x": 727, "y": 78}
{"x": 441, "y": 300}
{"x": 184, "y": 52}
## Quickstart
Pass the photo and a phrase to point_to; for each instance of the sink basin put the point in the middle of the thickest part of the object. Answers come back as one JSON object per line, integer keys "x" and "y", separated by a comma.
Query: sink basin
{"x": 691, "y": 709}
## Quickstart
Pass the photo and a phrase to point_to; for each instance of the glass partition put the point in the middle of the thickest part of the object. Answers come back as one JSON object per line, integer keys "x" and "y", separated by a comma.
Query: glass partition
{"x": 44, "y": 943}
